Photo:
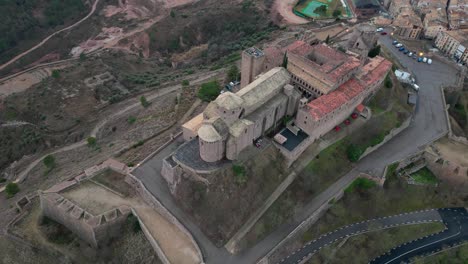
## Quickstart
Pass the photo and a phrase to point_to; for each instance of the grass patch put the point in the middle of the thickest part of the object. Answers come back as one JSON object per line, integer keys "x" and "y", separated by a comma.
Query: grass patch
{"x": 360, "y": 185}
{"x": 209, "y": 91}
{"x": 240, "y": 174}
{"x": 424, "y": 176}
{"x": 458, "y": 255}
{"x": 332, "y": 160}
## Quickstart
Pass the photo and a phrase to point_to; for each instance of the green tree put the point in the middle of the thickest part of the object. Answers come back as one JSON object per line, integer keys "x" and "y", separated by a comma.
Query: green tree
{"x": 388, "y": 82}
{"x": 91, "y": 141}
{"x": 232, "y": 74}
{"x": 285, "y": 61}
{"x": 49, "y": 162}
{"x": 172, "y": 14}
{"x": 374, "y": 51}
{"x": 144, "y": 102}
{"x": 11, "y": 189}
{"x": 55, "y": 74}
{"x": 354, "y": 152}
{"x": 209, "y": 91}
{"x": 327, "y": 40}
{"x": 321, "y": 10}
{"x": 82, "y": 56}
{"x": 336, "y": 13}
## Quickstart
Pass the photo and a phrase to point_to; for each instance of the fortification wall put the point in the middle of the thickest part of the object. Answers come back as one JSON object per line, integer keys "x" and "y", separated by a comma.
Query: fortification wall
{"x": 96, "y": 230}
{"x": 153, "y": 202}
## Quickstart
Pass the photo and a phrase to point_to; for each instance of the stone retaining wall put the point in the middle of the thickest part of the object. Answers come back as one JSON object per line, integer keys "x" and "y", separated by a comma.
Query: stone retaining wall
{"x": 153, "y": 202}
{"x": 152, "y": 241}
{"x": 390, "y": 135}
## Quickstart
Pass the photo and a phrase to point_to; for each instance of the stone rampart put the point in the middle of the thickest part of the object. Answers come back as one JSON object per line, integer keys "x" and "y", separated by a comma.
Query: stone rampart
{"x": 96, "y": 230}
{"x": 153, "y": 202}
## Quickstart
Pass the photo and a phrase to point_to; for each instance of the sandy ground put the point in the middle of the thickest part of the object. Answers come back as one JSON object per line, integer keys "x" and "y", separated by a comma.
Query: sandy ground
{"x": 453, "y": 151}
{"x": 332, "y": 32}
{"x": 175, "y": 244}
{"x": 283, "y": 9}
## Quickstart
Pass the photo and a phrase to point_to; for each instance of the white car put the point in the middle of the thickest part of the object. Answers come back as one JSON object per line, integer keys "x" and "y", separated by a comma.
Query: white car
{"x": 424, "y": 59}
{"x": 379, "y": 29}
{"x": 429, "y": 61}
{"x": 410, "y": 54}
{"x": 416, "y": 87}
{"x": 399, "y": 45}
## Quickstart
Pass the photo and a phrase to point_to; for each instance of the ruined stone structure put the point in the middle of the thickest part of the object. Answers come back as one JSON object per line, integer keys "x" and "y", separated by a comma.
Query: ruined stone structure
{"x": 94, "y": 229}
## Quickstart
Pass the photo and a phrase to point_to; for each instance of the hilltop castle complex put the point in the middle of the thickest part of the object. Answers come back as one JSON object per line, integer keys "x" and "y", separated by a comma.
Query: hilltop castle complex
{"x": 319, "y": 89}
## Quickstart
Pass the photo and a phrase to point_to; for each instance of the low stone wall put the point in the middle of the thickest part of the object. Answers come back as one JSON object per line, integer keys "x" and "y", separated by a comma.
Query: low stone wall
{"x": 152, "y": 241}
{"x": 96, "y": 230}
{"x": 153, "y": 202}
{"x": 390, "y": 135}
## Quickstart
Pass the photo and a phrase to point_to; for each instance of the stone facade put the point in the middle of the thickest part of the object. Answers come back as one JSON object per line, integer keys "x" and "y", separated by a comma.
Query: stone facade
{"x": 454, "y": 44}
{"x": 252, "y": 65}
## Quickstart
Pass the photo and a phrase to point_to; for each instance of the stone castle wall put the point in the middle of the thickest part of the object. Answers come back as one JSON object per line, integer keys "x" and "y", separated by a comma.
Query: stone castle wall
{"x": 96, "y": 230}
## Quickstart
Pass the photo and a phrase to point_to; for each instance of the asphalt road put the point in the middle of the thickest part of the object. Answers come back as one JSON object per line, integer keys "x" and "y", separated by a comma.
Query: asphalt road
{"x": 456, "y": 221}
{"x": 359, "y": 228}
{"x": 429, "y": 123}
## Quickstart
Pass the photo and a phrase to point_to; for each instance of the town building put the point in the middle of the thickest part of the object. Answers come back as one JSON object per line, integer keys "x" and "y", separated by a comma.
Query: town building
{"x": 407, "y": 25}
{"x": 398, "y": 6}
{"x": 454, "y": 44}
{"x": 434, "y": 22}
{"x": 457, "y": 11}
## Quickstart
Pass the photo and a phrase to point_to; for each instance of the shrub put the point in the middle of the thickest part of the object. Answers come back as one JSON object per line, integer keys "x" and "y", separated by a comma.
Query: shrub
{"x": 138, "y": 144}
{"x": 337, "y": 13}
{"x": 185, "y": 83}
{"x": 55, "y": 74}
{"x": 374, "y": 51}
{"x": 321, "y": 10}
{"x": 2, "y": 180}
{"x": 360, "y": 184}
{"x": 388, "y": 82}
{"x": 209, "y": 91}
{"x": 232, "y": 74}
{"x": 144, "y": 102}
{"x": 172, "y": 14}
{"x": 131, "y": 119}
{"x": 354, "y": 152}
{"x": 91, "y": 141}
{"x": 11, "y": 189}
{"x": 49, "y": 162}
{"x": 82, "y": 56}
{"x": 240, "y": 174}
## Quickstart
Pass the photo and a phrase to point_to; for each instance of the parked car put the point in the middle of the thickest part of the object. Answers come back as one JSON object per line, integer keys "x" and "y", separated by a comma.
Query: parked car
{"x": 394, "y": 42}
{"x": 416, "y": 87}
{"x": 424, "y": 59}
{"x": 337, "y": 128}
{"x": 410, "y": 54}
{"x": 405, "y": 51}
{"x": 414, "y": 56}
{"x": 383, "y": 33}
{"x": 354, "y": 116}
{"x": 399, "y": 45}
{"x": 429, "y": 61}
{"x": 401, "y": 49}
{"x": 347, "y": 122}
{"x": 420, "y": 59}
{"x": 379, "y": 29}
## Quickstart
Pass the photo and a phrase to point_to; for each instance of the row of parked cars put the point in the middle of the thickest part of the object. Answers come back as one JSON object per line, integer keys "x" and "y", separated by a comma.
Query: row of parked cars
{"x": 412, "y": 54}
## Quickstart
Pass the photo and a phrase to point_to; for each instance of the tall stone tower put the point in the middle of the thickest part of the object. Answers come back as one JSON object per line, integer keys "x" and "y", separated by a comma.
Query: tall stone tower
{"x": 252, "y": 65}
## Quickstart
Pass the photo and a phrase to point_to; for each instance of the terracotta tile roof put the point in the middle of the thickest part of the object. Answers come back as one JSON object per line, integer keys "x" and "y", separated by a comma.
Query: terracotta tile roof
{"x": 299, "y": 47}
{"x": 360, "y": 108}
{"x": 373, "y": 71}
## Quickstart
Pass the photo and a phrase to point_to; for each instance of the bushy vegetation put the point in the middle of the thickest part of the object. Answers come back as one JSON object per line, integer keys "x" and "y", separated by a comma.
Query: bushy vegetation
{"x": 185, "y": 83}
{"x": 92, "y": 142}
{"x": 388, "y": 82}
{"x": 375, "y": 51}
{"x": 144, "y": 102}
{"x": 321, "y": 10}
{"x": 11, "y": 189}
{"x": 131, "y": 120}
{"x": 360, "y": 185}
{"x": 49, "y": 162}
{"x": 209, "y": 91}
{"x": 57, "y": 11}
{"x": 55, "y": 74}
{"x": 232, "y": 74}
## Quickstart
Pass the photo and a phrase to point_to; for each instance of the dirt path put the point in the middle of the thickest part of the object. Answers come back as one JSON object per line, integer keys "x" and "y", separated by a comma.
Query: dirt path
{"x": 453, "y": 151}
{"x": 50, "y": 36}
{"x": 150, "y": 97}
{"x": 284, "y": 8}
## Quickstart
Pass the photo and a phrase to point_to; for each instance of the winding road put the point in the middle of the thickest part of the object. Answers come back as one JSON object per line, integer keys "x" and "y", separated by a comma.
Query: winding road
{"x": 455, "y": 219}
{"x": 93, "y": 8}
